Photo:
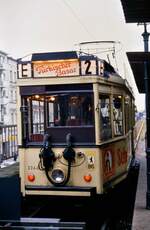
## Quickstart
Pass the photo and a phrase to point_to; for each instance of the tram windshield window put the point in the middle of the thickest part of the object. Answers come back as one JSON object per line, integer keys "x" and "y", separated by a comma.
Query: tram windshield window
{"x": 117, "y": 116}
{"x": 105, "y": 121}
{"x": 70, "y": 110}
{"x": 58, "y": 110}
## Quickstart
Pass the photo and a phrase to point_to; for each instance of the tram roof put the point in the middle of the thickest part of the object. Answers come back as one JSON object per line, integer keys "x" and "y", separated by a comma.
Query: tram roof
{"x": 136, "y": 11}
{"x": 54, "y": 56}
{"x": 137, "y": 60}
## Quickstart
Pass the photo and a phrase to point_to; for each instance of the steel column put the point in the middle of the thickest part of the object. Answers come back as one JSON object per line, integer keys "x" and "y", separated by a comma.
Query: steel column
{"x": 147, "y": 104}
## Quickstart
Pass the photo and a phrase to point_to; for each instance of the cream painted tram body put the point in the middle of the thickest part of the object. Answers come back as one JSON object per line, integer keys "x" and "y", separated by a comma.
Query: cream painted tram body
{"x": 75, "y": 125}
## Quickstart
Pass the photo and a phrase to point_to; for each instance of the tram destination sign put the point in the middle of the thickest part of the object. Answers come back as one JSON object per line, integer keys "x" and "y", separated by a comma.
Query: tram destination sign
{"x": 60, "y": 65}
{"x": 56, "y": 68}
{"x": 67, "y": 68}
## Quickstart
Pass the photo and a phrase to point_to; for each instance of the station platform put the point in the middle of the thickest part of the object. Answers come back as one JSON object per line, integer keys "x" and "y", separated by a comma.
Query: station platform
{"x": 10, "y": 192}
{"x": 141, "y": 216}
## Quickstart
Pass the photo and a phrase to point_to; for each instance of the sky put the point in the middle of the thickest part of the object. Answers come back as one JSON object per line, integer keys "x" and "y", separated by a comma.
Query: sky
{"x": 29, "y": 26}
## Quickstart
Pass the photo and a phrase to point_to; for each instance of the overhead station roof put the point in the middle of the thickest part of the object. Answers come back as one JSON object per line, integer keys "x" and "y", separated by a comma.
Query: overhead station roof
{"x": 136, "y": 11}
{"x": 137, "y": 60}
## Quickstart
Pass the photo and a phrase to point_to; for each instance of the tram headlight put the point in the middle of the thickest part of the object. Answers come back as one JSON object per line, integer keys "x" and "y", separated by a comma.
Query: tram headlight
{"x": 58, "y": 176}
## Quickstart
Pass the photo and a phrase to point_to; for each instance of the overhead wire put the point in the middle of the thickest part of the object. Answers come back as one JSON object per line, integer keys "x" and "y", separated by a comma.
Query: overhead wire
{"x": 73, "y": 12}
{"x": 77, "y": 18}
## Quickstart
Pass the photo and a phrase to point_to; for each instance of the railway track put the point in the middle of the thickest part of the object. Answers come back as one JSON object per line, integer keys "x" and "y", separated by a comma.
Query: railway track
{"x": 41, "y": 224}
{"x": 139, "y": 131}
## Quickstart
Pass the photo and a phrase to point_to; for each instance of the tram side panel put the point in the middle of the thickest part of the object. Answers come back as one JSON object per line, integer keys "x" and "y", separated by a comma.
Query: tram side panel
{"x": 116, "y": 159}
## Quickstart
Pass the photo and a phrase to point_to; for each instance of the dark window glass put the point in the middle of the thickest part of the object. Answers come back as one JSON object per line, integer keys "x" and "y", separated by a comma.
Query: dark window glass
{"x": 57, "y": 110}
{"x": 105, "y": 117}
{"x": 117, "y": 116}
{"x": 70, "y": 110}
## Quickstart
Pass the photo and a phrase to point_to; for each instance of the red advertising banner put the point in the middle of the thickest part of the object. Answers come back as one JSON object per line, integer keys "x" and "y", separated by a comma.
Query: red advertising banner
{"x": 108, "y": 163}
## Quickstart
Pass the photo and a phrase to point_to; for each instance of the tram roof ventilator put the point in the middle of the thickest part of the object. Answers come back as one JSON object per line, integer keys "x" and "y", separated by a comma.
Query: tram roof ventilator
{"x": 54, "y": 56}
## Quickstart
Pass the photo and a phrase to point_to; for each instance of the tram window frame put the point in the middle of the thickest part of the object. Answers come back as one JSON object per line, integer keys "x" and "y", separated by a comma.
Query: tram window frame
{"x": 69, "y": 110}
{"x": 38, "y": 115}
{"x": 117, "y": 108}
{"x": 105, "y": 117}
{"x": 32, "y": 137}
{"x": 35, "y": 125}
{"x": 133, "y": 109}
{"x": 128, "y": 113}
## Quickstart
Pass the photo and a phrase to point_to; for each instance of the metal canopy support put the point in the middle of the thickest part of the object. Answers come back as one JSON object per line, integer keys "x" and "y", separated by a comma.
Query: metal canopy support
{"x": 145, "y": 38}
{"x": 147, "y": 101}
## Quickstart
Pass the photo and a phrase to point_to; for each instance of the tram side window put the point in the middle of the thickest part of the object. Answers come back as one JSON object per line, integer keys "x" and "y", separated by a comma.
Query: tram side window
{"x": 128, "y": 114}
{"x": 38, "y": 116}
{"x": 117, "y": 116}
{"x": 105, "y": 121}
{"x": 35, "y": 129}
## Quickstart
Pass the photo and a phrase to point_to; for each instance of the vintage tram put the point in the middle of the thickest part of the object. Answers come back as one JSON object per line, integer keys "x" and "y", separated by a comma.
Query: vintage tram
{"x": 75, "y": 125}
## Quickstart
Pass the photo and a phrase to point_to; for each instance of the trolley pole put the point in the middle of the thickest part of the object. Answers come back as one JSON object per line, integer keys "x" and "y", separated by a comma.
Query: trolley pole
{"x": 147, "y": 104}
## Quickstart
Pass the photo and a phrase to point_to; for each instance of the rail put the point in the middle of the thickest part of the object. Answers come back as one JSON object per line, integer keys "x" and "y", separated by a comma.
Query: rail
{"x": 8, "y": 142}
{"x": 137, "y": 131}
{"x": 40, "y": 224}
